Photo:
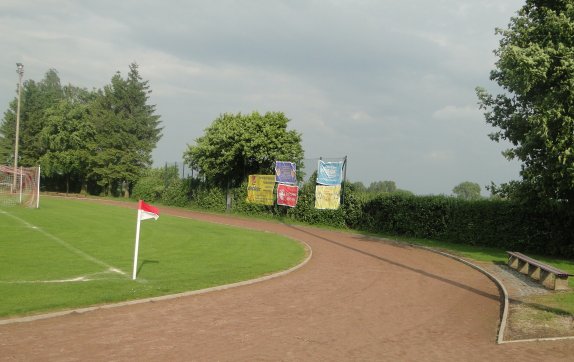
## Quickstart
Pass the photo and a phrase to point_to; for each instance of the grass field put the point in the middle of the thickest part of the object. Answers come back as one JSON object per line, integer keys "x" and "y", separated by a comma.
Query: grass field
{"x": 73, "y": 253}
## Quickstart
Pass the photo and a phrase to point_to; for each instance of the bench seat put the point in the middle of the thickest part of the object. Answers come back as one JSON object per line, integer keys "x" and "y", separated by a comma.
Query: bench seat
{"x": 549, "y": 276}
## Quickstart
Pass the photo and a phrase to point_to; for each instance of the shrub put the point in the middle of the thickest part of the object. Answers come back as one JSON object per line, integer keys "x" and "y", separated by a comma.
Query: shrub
{"x": 148, "y": 188}
{"x": 209, "y": 198}
{"x": 176, "y": 194}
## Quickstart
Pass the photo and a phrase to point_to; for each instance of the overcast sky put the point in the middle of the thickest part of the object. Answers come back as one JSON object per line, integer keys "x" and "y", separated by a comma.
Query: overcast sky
{"x": 389, "y": 83}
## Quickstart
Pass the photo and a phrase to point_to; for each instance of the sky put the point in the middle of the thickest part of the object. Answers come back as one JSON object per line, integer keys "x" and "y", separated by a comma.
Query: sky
{"x": 388, "y": 83}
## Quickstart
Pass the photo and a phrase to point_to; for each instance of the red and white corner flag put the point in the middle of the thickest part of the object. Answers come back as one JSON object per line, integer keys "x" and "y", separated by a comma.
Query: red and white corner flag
{"x": 145, "y": 212}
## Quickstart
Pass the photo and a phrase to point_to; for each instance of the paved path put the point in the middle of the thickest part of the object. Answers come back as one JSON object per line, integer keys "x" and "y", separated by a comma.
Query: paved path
{"x": 356, "y": 300}
{"x": 518, "y": 285}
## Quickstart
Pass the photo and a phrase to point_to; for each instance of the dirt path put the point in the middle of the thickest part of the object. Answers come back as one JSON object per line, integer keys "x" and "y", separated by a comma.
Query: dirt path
{"x": 356, "y": 299}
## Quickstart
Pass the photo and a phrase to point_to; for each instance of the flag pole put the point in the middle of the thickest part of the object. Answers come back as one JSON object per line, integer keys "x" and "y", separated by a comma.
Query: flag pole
{"x": 137, "y": 246}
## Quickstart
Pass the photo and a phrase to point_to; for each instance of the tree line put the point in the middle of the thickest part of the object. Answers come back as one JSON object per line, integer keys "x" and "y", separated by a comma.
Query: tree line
{"x": 97, "y": 140}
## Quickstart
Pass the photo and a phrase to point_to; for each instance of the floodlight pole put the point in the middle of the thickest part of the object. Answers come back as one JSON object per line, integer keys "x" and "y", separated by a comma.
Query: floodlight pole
{"x": 20, "y": 71}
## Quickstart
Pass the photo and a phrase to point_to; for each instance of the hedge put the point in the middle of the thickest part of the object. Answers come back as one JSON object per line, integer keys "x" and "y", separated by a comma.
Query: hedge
{"x": 546, "y": 228}
{"x": 543, "y": 228}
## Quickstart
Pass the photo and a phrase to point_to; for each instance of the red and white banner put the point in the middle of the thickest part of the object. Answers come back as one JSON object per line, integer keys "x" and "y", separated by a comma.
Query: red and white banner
{"x": 287, "y": 195}
{"x": 147, "y": 211}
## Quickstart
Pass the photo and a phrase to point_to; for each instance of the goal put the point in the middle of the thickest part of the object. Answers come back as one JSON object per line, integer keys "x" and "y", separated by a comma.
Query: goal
{"x": 21, "y": 187}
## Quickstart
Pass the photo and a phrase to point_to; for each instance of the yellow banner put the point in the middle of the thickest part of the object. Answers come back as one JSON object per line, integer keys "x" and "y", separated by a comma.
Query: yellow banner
{"x": 260, "y": 189}
{"x": 327, "y": 197}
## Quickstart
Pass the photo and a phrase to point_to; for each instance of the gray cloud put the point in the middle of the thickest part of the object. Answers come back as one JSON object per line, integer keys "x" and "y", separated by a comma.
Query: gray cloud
{"x": 388, "y": 83}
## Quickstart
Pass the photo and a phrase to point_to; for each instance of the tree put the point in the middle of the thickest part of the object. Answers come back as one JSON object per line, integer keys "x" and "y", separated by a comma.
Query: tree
{"x": 358, "y": 186}
{"x": 35, "y": 99}
{"x": 127, "y": 131}
{"x": 237, "y": 145}
{"x": 7, "y": 132}
{"x": 535, "y": 68}
{"x": 467, "y": 190}
{"x": 107, "y": 135}
{"x": 378, "y": 187}
{"x": 68, "y": 140}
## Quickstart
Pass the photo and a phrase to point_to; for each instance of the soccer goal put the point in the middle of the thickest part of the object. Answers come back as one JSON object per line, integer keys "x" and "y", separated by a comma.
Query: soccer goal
{"x": 20, "y": 186}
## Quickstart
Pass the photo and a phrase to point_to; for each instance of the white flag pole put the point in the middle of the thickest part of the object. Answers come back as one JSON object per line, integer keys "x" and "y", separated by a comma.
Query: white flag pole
{"x": 137, "y": 245}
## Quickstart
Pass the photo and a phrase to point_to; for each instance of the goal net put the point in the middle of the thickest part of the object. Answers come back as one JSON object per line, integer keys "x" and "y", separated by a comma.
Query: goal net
{"x": 20, "y": 186}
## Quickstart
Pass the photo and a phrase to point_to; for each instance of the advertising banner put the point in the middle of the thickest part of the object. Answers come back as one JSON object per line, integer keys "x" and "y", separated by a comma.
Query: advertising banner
{"x": 285, "y": 172}
{"x": 287, "y": 195}
{"x": 327, "y": 197}
{"x": 330, "y": 173}
{"x": 260, "y": 189}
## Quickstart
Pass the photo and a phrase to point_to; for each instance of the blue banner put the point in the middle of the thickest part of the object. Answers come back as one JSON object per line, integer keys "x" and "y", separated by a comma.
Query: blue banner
{"x": 285, "y": 172}
{"x": 330, "y": 173}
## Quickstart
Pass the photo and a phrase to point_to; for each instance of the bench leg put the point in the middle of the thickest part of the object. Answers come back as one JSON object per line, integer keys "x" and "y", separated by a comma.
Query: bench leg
{"x": 535, "y": 272}
{"x": 561, "y": 283}
{"x": 513, "y": 262}
{"x": 523, "y": 267}
{"x": 547, "y": 279}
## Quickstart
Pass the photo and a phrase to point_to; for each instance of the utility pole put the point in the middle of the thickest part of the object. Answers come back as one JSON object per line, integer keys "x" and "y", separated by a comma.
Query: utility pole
{"x": 20, "y": 71}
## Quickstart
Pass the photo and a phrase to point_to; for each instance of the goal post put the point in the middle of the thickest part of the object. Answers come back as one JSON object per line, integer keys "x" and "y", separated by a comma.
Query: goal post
{"x": 20, "y": 186}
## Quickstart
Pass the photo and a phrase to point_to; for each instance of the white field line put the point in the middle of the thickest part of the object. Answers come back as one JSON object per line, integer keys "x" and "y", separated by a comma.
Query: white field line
{"x": 81, "y": 278}
{"x": 66, "y": 245}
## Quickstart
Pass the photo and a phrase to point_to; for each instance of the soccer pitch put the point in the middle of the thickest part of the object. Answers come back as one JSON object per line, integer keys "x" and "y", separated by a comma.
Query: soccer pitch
{"x": 75, "y": 253}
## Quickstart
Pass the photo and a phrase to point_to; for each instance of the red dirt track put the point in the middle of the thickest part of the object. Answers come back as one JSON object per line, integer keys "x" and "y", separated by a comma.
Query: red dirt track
{"x": 355, "y": 300}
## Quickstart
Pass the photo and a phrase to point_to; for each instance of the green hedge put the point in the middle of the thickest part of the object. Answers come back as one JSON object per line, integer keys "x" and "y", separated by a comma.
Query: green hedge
{"x": 543, "y": 228}
{"x": 540, "y": 228}
{"x": 209, "y": 198}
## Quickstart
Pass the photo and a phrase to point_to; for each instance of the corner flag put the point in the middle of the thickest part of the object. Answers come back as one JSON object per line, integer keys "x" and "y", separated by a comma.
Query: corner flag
{"x": 145, "y": 212}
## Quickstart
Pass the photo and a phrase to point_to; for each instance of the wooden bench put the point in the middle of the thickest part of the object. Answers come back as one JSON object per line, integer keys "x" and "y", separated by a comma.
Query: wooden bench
{"x": 549, "y": 276}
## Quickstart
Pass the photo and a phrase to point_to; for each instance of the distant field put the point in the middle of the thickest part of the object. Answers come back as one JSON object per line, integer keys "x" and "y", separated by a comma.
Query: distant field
{"x": 71, "y": 253}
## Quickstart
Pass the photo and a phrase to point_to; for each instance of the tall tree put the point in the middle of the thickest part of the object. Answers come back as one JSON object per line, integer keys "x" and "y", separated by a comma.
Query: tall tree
{"x": 7, "y": 131}
{"x": 35, "y": 99}
{"x": 236, "y": 145}
{"x": 359, "y": 186}
{"x": 467, "y": 190}
{"x": 68, "y": 138}
{"x": 535, "y": 113}
{"x": 382, "y": 186}
{"x": 127, "y": 131}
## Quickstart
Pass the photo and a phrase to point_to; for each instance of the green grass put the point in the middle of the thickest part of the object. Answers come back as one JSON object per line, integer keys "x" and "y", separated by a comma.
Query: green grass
{"x": 69, "y": 239}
